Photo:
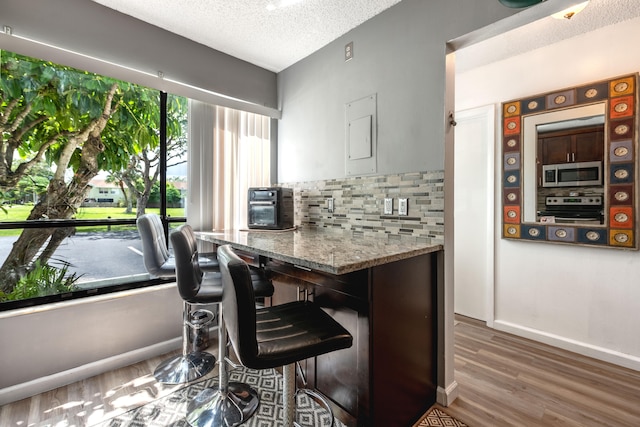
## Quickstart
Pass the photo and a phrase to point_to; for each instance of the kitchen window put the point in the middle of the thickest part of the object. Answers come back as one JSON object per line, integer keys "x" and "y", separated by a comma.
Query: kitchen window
{"x": 66, "y": 131}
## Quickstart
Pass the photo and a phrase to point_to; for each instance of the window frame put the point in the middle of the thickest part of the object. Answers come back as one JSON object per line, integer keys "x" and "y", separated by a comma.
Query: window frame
{"x": 84, "y": 293}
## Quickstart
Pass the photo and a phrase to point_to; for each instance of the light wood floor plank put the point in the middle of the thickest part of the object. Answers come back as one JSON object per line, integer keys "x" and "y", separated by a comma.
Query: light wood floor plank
{"x": 504, "y": 381}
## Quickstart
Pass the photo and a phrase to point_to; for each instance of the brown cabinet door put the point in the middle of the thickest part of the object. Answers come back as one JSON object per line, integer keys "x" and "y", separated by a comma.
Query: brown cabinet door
{"x": 577, "y": 145}
{"x": 588, "y": 146}
{"x": 556, "y": 149}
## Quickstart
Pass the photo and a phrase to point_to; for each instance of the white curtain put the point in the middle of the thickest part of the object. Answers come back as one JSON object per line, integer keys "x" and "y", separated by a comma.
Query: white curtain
{"x": 229, "y": 152}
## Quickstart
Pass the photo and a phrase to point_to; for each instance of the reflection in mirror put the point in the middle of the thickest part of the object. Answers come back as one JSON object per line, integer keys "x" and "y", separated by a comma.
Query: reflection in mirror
{"x": 563, "y": 182}
{"x": 569, "y": 168}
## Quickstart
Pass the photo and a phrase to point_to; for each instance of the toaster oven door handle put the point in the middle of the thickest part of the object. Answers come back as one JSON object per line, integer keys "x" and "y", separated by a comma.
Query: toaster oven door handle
{"x": 270, "y": 203}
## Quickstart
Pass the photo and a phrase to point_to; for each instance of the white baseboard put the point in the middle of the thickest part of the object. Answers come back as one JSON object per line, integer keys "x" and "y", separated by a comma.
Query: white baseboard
{"x": 446, "y": 396}
{"x": 589, "y": 350}
{"x": 50, "y": 382}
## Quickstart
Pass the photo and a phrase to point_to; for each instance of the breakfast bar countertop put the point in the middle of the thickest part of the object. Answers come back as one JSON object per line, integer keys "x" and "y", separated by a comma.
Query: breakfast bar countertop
{"x": 335, "y": 252}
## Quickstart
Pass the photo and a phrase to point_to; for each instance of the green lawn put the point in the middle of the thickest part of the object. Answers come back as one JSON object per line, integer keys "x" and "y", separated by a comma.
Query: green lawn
{"x": 21, "y": 212}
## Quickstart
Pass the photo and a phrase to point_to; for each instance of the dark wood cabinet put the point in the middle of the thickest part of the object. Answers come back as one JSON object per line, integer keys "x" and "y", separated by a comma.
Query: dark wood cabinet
{"x": 569, "y": 146}
{"x": 388, "y": 377}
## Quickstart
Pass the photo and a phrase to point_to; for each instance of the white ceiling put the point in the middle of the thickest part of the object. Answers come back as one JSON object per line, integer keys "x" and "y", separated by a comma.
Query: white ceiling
{"x": 546, "y": 31}
{"x": 272, "y": 34}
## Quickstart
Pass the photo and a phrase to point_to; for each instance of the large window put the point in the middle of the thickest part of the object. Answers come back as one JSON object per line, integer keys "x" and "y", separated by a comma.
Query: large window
{"x": 82, "y": 155}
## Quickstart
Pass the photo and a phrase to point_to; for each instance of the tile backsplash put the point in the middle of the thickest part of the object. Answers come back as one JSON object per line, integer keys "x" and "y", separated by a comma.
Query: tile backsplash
{"x": 359, "y": 205}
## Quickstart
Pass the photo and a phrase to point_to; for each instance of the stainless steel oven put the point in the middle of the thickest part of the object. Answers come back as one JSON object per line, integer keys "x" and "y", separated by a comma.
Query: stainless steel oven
{"x": 573, "y": 210}
{"x": 270, "y": 208}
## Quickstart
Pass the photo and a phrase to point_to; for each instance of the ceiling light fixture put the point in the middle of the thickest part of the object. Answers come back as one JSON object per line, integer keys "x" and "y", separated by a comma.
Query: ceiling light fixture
{"x": 571, "y": 11}
{"x": 516, "y": 4}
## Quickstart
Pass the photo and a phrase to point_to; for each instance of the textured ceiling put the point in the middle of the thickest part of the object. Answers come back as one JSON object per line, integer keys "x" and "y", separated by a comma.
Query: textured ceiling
{"x": 272, "y": 34}
{"x": 597, "y": 14}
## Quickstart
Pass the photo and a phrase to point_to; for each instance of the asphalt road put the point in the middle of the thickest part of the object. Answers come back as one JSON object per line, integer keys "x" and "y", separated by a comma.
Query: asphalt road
{"x": 96, "y": 255}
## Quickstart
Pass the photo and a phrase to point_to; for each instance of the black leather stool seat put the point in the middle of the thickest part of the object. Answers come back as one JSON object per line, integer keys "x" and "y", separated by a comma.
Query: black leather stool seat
{"x": 291, "y": 332}
{"x": 209, "y": 261}
{"x": 273, "y": 336}
{"x": 209, "y": 292}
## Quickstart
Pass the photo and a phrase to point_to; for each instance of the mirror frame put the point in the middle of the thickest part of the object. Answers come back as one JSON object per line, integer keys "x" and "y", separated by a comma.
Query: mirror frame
{"x": 620, "y": 96}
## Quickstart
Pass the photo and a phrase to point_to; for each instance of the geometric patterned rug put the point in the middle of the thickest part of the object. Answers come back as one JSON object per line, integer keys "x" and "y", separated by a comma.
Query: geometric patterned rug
{"x": 436, "y": 417}
{"x": 170, "y": 410}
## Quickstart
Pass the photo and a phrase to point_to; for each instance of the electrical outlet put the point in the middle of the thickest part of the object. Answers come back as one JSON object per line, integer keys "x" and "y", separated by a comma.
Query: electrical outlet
{"x": 388, "y": 206}
{"x": 403, "y": 206}
{"x": 348, "y": 51}
{"x": 330, "y": 204}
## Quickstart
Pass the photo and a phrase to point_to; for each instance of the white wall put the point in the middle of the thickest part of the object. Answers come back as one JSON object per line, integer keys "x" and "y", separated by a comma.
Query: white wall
{"x": 578, "y": 298}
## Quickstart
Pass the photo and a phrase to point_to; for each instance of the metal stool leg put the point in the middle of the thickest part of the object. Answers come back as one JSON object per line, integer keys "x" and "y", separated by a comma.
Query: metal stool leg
{"x": 288, "y": 395}
{"x": 188, "y": 366}
{"x": 303, "y": 295}
{"x": 231, "y": 404}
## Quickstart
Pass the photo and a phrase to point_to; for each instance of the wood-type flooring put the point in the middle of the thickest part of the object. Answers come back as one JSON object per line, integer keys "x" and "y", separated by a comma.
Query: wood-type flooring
{"x": 503, "y": 381}
{"x": 506, "y": 380}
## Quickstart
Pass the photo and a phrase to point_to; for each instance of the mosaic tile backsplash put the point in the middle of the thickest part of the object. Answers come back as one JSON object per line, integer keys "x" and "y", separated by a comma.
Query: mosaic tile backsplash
{"x": 359, "y": 205}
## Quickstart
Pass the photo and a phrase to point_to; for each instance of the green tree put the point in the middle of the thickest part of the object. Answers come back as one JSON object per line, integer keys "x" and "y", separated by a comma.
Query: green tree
{"x": 75, "y": 121}
{"x": 34, "y": 184}
{"x": 173, "y": 196}
{"x": 143, "y": 169}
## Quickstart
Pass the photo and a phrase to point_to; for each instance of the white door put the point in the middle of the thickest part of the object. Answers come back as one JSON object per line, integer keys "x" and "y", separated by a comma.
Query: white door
{"x": 474, "y": 212}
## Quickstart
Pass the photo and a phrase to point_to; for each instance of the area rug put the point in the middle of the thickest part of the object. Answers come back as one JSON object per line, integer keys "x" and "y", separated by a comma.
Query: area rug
{"x": 170, "y": 411}
{"x": 436, "y": 417}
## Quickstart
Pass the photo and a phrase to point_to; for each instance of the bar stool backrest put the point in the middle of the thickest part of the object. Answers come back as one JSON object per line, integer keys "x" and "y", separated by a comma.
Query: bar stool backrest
{"x": 239, "y": 306}
{"x": 155, "y": 253}
{"x": 188, "y": 272}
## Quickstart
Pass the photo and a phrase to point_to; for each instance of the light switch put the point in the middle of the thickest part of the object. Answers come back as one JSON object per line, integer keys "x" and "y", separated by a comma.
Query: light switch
{"x": 330, "y": 204}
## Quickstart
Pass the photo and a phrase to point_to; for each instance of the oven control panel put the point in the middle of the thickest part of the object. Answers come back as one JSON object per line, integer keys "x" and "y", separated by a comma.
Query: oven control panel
{"x": 574, "y": 201}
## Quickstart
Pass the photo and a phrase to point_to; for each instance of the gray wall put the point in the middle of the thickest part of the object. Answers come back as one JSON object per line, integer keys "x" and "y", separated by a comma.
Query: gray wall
{"x": 91, "y": 29}
{"x": 400, "y": 55}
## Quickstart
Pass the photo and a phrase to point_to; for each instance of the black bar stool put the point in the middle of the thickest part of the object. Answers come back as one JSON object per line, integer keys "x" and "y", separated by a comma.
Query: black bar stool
{"x": 158, "y": 260}
{"x": 195, "y": 289}
{"x": 269, "y": 337}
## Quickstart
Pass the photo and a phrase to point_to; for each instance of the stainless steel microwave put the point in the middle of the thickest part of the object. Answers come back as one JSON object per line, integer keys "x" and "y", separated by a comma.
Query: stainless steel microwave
{"x": 578, "y": 174}
{"x": 270, "y": 208}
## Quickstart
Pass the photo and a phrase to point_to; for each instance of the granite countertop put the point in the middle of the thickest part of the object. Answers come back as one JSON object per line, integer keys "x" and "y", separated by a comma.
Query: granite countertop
{"x": 320, "y": 249}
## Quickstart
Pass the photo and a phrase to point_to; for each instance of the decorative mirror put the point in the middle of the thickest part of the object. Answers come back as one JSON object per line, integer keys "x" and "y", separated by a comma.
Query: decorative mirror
{"x": 570, "y": 165}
